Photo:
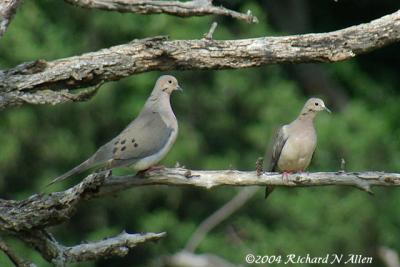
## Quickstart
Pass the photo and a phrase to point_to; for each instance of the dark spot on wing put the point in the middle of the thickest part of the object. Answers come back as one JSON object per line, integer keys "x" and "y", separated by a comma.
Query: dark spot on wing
{"x": 115, "y": 150}
{"x": 133, "y": 140}
{"x": 123, "y": 148}
{"x": 116, "y": 143}
{"x": 123, "y": 142}
{"x": 135, "y": 145}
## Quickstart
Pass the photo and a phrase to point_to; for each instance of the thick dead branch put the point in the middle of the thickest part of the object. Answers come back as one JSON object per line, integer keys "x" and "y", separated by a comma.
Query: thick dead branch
{"x": 176, "y": 8}
{"x": 161, "y": 54}
{"x": 7, "y": 11}
{"x": 59, "y": 255}
{"x": 40, "y": 211}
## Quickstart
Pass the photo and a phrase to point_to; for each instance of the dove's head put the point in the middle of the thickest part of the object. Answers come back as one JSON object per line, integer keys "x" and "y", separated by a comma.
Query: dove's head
{"x": 314, "y": 105}
{"x": 167, "y": 84}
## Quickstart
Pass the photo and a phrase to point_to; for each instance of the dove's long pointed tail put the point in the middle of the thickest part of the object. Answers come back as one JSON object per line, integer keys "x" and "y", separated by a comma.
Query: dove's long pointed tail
{"x": 78, "y": 169}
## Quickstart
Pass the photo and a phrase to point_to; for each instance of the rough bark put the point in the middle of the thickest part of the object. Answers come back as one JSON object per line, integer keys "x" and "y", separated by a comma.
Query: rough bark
{"x": 59, "y": 255}
{"x": 119, "y": 246}
{"x": 175, "y": 8}
{"x": 27, "y": 82}
{"x": 40, "y": 211}
{"x": 210, "y": 179}
{"x": 28, "y": 219}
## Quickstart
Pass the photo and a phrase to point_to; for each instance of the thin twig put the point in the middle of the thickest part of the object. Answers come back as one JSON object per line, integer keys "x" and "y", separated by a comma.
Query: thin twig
{"x": 60, "y": 255}
{"x": 210, "y": 33}
{"x": 175, "y": 8}
{"x": 8, "y": 9}
{"x": 16, "y": 260}
{"x": 218, "y": 216}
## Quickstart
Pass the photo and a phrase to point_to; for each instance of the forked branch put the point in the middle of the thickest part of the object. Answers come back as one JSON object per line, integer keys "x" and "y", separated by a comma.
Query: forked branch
{"x": 29, "y": 218}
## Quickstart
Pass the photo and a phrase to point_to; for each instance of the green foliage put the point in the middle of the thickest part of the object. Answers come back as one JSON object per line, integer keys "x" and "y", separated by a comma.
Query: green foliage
{"x": 226, "y": 118}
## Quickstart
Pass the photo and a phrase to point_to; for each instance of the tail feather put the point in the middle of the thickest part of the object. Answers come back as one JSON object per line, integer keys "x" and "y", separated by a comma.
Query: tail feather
{"x": 78, "y": 169}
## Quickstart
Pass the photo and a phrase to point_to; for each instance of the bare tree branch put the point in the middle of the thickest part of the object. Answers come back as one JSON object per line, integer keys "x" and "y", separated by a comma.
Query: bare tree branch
{"x": 7, "y": 11}
{"x": 16, "y": 260}
{"x": 210, "y": 179}
{"x": 175, "y": 8}
{"x": 27, "y": 219}
{"x": 158, "y": 53}
{"x": 59, "y": 255}
{"x": 40, "y": 211}
{"x": 218, "y": 216}
{"x": 188, "y": 259}
{"x": 114, "y": 246}
{"x": 389, "y": 256}
{"x": 210, "y": 33}
{"x": 314, "y": 79}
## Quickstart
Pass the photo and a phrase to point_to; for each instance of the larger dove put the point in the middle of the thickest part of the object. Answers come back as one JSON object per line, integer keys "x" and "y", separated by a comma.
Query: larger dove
{"x": 145, "y": 141}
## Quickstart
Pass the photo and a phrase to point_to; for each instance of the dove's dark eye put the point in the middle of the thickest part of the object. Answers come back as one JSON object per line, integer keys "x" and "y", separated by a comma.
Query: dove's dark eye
{"x": 316, "y": 103}
{"x": 170, "y": 81}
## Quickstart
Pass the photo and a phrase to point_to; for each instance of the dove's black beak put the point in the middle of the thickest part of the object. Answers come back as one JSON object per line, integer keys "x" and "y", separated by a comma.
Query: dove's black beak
{"x": 328, "y": 110}
{"x": 179, "y": 88}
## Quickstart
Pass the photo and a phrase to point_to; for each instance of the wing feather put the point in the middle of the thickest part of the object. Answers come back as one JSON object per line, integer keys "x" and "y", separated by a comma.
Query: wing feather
{"x": 144, "y": 137}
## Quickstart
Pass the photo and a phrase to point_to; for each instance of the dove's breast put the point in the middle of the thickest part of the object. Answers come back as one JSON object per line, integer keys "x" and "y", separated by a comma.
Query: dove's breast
{"x": 298, "y": 150}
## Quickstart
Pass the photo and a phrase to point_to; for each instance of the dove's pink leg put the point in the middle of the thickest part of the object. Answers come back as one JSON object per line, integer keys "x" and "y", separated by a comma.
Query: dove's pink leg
{"x": 285, "y": 177}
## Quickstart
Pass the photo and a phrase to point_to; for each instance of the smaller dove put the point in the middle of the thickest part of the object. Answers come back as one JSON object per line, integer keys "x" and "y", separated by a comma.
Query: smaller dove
{"x": 295, "y": 143}
{"x": 145, "y": 141}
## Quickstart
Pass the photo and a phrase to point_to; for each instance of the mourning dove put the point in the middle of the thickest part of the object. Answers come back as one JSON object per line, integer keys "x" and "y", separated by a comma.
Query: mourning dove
{"x": 294, "y": 143}
{"x": 145, "y": 141}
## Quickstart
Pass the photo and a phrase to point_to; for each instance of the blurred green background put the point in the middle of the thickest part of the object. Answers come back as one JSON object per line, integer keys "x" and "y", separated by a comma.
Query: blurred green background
{"x": 226, "y": 120}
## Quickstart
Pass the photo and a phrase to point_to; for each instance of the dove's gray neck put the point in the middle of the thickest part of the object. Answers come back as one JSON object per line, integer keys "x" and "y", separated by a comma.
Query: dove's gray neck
{"x": 307, "y": 115}
{"x": 159, "y": 102}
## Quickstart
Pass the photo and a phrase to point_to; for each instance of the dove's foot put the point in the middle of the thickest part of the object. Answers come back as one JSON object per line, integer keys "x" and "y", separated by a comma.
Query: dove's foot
{"x": 155, "y": 168}
{"x": 150, "y": 169}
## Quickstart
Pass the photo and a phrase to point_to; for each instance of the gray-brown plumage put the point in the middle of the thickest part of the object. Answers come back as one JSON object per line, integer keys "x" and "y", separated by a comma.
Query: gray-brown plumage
{"x": 145, "y": 141}
{"x": 294, "y": 144}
